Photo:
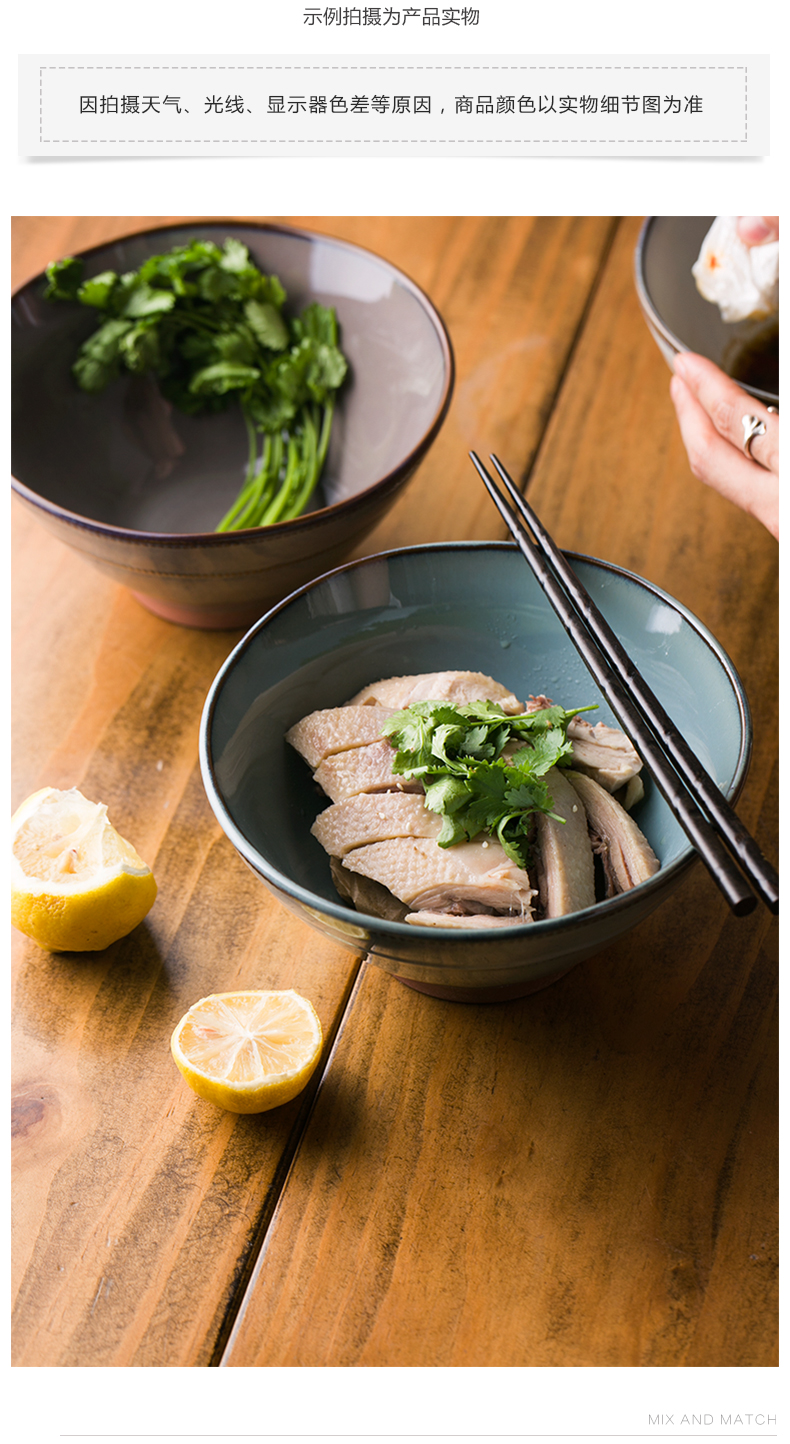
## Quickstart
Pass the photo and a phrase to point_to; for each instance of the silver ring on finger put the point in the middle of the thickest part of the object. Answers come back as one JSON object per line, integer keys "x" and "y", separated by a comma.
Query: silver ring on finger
{"x": 752, "y": 426}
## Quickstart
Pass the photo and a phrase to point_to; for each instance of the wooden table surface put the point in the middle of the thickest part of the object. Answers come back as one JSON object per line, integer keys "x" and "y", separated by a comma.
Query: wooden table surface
{"x": 583, "y": 1177}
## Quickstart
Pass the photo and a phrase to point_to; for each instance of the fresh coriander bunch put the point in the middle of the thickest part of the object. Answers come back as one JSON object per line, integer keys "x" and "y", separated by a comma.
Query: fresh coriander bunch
{"x": 457, "y": 753}
{"x": 210, "y": 326}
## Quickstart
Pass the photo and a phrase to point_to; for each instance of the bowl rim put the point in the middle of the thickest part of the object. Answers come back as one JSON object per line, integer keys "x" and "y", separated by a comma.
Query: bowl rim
{"x": 655, "y": 319}
{"x": 315, "y": 518}
{"x": 451, "y": 937}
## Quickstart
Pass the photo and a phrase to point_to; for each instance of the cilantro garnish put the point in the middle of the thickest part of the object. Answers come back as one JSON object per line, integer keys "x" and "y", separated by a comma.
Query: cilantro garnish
{"x": 456, "y": 752}
{"x": 210, "y": 327}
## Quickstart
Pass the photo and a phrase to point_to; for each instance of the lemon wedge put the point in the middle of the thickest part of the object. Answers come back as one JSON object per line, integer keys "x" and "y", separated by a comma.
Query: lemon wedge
{"x": 76, "y": 885}
{"x": 248, "y": 1052}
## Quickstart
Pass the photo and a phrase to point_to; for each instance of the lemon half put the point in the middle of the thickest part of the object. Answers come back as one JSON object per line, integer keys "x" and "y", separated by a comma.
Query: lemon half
{"x": 76, "y": 885}
{"x": 248, "y": 1052}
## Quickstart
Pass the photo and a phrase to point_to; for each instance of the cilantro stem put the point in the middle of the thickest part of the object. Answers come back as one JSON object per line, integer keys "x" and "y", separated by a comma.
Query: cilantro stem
{"x": 275, "y": 508}
{"x": 242, "y": 500}
{"x": 311, "y": 468}
{"x": 252, "y": 457}
{"x": 326, "y": 429}
{"x": 316, "y": 446}
{"x": 257, "y": 503}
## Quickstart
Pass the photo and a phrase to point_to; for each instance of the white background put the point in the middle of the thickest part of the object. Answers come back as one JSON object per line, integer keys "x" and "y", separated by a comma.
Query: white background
{"x": 47, "y": 1405}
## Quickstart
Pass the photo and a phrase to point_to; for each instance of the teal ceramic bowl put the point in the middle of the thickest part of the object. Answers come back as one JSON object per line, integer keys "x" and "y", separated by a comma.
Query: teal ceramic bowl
{"x": 471, "y": 606}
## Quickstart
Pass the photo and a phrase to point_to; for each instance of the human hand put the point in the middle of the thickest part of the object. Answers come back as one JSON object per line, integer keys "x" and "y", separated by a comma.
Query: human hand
{"x": 758, "y": 230}
{"x": 710, "y": 408}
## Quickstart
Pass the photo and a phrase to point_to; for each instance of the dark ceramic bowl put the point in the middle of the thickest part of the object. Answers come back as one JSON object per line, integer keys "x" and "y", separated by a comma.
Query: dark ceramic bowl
{"x": 137, "y": 487}
{"x": 680, "y": 319}
{"x": 472, "y": 606}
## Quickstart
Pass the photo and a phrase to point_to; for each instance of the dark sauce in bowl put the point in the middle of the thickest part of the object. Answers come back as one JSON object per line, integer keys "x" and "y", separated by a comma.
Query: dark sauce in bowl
{"x": 753, "y": 360}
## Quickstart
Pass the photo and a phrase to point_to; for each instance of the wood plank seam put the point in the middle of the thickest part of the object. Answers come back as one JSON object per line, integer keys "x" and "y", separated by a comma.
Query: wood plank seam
{"x": 523, "y": 478}
{"x": 277, "y": 1190}
{"x": 271, "y": 1202}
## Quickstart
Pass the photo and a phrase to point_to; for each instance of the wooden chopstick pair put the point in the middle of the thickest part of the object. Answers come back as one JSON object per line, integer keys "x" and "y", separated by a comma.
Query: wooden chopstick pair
{"x": 691, "y": 793}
